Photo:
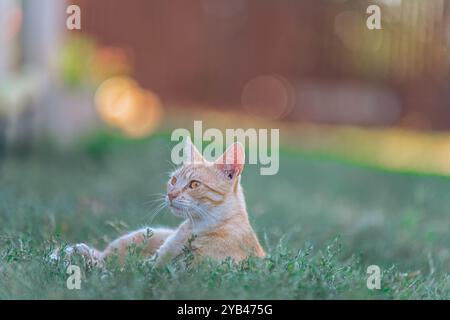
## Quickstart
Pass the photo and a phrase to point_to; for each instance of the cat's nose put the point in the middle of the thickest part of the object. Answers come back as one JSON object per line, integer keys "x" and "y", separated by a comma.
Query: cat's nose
{"x": 171, "y": 196}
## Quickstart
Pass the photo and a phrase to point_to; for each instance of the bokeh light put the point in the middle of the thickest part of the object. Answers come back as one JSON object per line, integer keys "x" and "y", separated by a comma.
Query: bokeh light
{"x": 123, "y": 104}
{"x": 268, "y": 97}
{"x": 350, "y": 27}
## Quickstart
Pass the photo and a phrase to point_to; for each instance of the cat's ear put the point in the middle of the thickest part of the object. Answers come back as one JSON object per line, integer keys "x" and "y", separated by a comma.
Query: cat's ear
{"x": 231, "y": 163}
{"x": 191, "y": 153}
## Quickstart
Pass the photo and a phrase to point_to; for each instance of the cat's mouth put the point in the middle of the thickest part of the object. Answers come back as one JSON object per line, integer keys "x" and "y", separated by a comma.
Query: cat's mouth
{"x": 177, "y": 209}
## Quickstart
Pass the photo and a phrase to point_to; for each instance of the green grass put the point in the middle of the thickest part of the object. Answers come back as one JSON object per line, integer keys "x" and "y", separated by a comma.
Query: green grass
{"x": 322, "y": 222}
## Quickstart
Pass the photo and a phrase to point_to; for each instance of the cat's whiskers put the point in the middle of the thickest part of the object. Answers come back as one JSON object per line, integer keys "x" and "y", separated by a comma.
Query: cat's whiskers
{"x": 154, "y": 201}
{"x": 186, "y": 206}
{"x": 156, "y": 194}
{"x": 156, "y": 197}
{"x": 157, "y": 210}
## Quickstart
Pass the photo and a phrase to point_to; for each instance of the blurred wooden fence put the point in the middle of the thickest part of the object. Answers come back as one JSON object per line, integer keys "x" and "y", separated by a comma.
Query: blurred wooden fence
{"x": 204, "y": 52}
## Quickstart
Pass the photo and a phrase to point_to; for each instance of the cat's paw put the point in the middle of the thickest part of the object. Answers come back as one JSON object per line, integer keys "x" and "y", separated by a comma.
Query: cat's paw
{"x": 91, "y": 256}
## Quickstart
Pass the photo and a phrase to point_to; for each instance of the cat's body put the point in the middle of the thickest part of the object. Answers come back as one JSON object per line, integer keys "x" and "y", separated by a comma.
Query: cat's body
{"x": 210, "y": 198}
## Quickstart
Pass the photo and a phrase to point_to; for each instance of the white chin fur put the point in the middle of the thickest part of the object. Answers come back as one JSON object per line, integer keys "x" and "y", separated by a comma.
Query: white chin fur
{"x": 177, "y": 212}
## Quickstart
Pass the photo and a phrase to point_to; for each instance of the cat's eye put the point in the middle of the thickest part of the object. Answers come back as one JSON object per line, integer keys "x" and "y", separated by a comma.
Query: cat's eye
{"x": 194, "y": 184}
{"x": 173, "y": 181}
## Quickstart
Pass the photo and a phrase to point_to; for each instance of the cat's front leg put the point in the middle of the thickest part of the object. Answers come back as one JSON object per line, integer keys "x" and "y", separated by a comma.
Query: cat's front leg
{"x": 149, "y": 239}
{"x": 174, "y": 245}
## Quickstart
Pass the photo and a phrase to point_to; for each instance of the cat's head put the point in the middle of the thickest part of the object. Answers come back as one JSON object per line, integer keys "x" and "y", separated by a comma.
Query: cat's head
{"x": 199, "y": 188}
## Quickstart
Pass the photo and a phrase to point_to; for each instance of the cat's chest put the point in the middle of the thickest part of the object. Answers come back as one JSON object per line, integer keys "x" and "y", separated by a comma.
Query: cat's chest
{"x": 214, "y": 245}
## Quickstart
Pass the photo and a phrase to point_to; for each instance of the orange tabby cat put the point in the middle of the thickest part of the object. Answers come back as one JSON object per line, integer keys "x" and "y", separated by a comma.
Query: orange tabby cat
{"x": 210, "y": 198}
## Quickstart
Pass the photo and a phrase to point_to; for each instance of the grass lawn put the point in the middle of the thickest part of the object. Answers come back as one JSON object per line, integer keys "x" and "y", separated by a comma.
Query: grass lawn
{"x": 322, "y": 222}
